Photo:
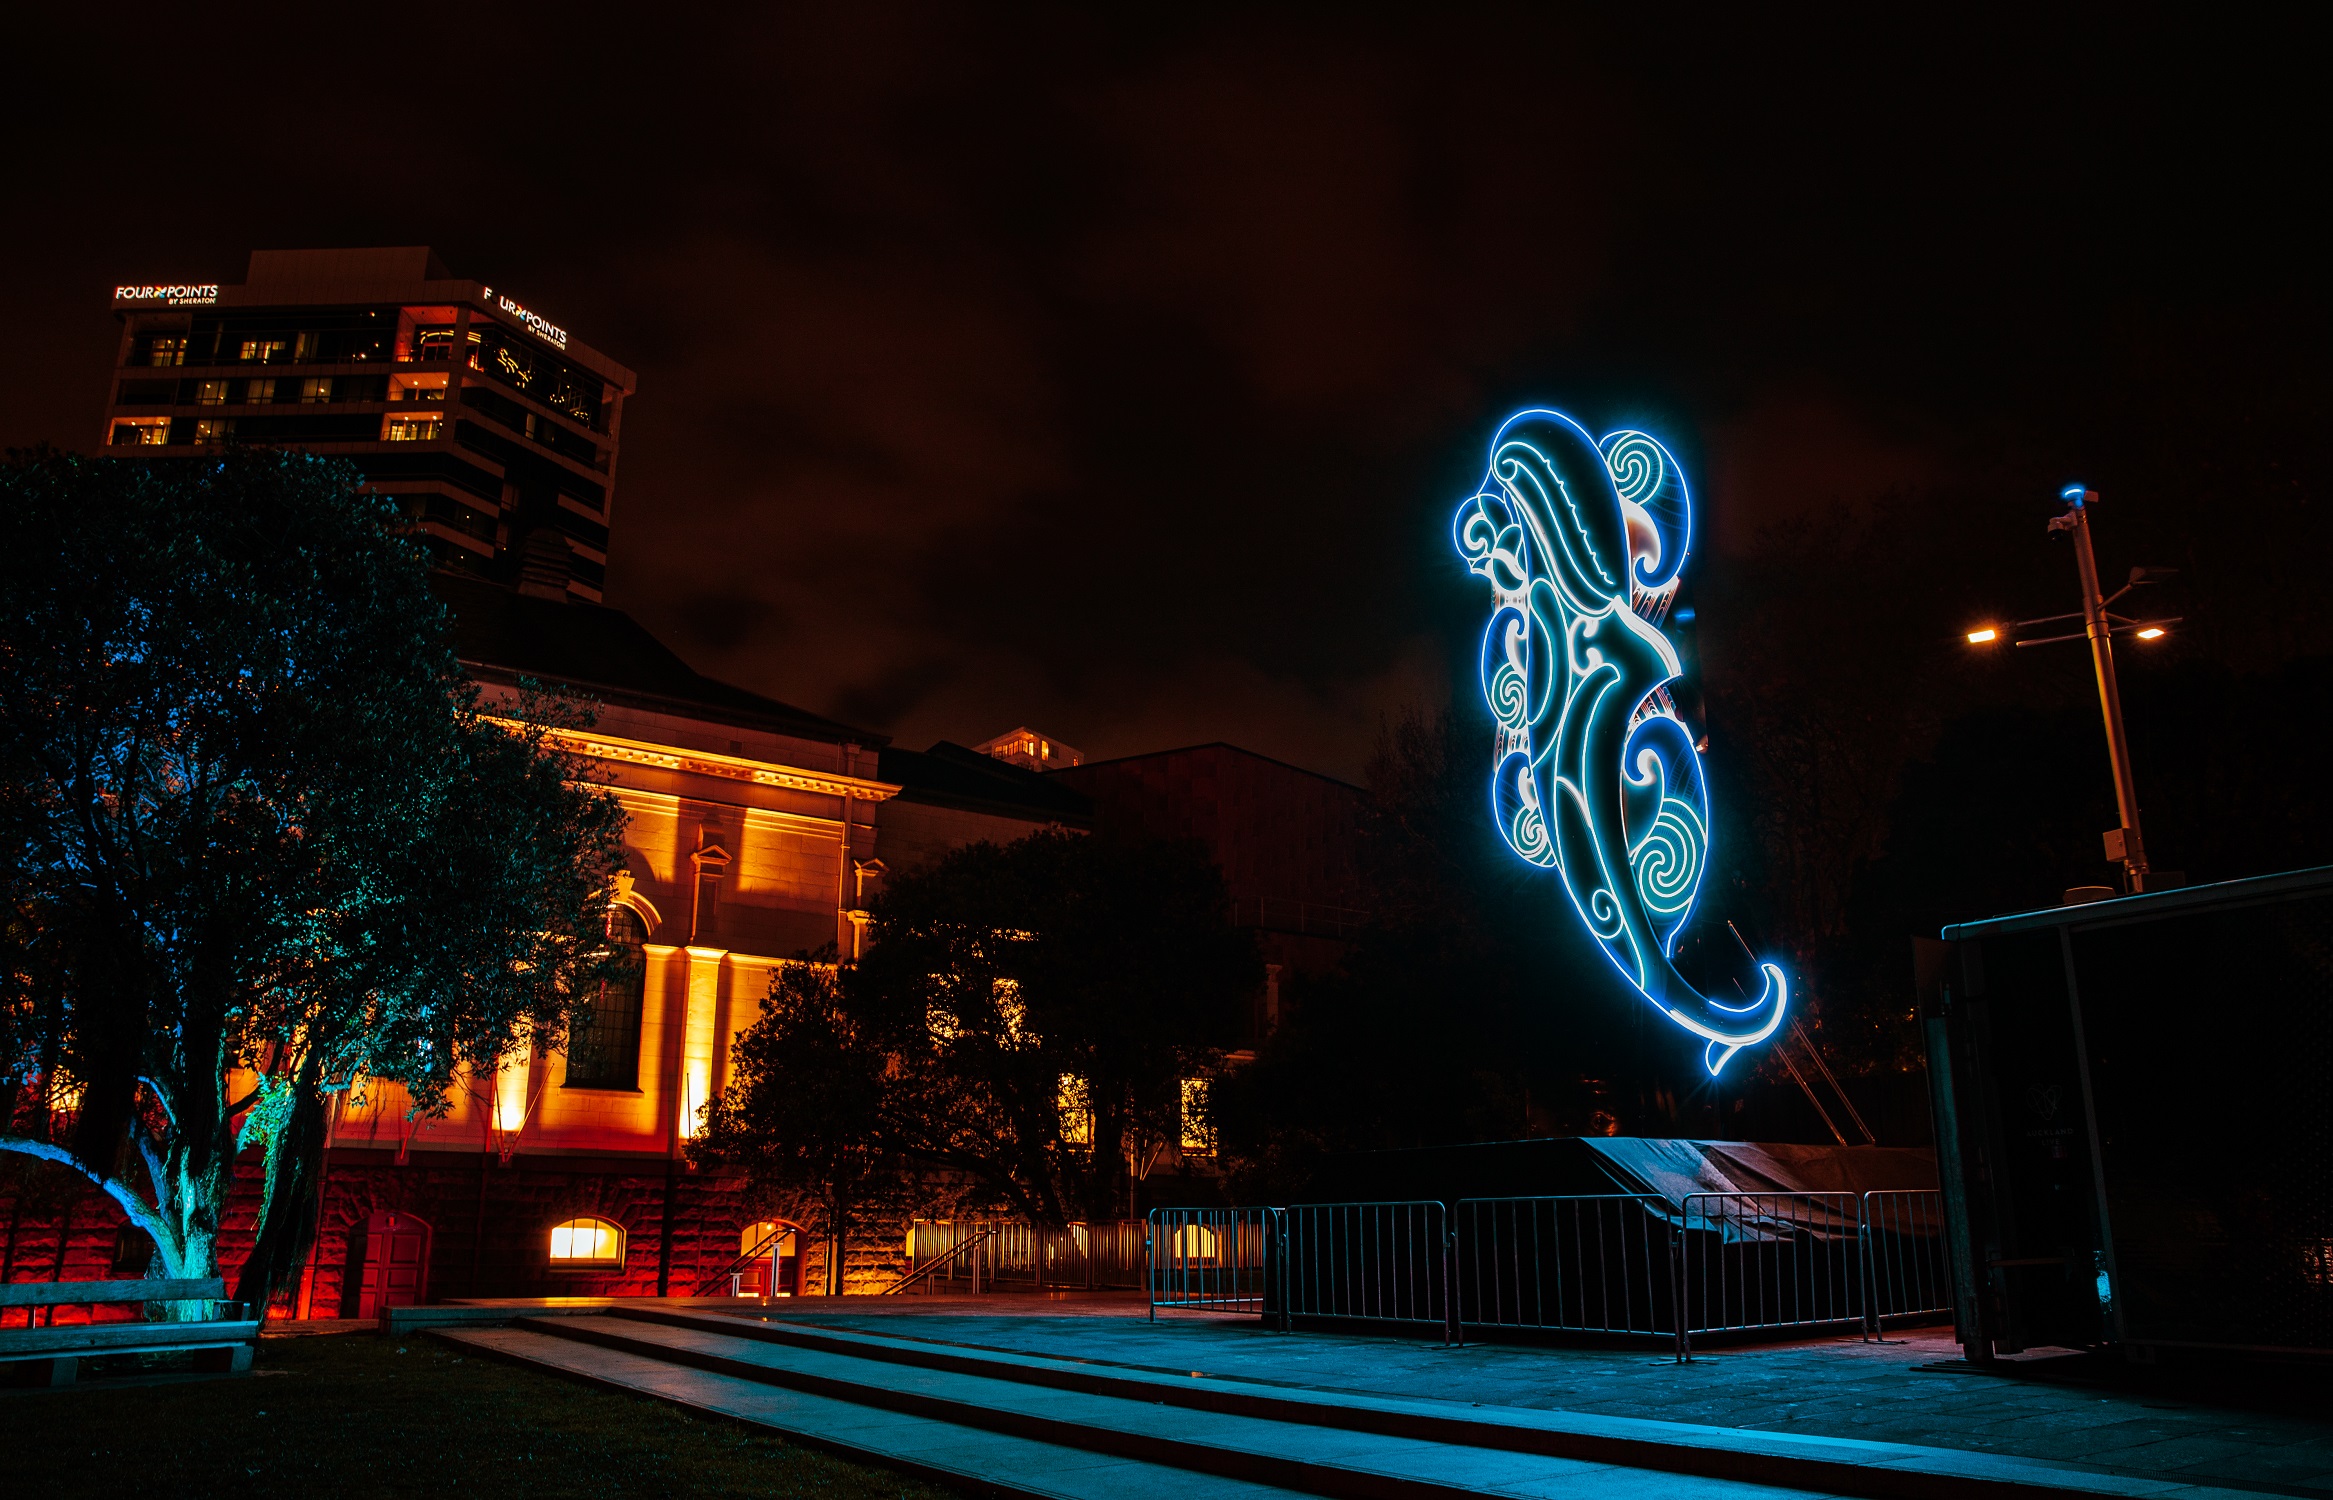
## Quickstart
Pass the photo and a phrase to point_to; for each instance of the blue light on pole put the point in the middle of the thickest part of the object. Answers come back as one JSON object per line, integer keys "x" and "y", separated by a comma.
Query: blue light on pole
{"x": 1583, "y": 542}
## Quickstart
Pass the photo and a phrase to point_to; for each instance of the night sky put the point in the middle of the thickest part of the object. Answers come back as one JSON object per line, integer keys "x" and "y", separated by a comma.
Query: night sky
{"x": 1117, "y": 372}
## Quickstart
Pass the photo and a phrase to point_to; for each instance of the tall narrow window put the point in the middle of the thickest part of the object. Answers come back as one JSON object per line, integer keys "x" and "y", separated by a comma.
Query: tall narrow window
{"x": 1198, "y": 1124}
{"x": 603, "y": 1048}
{"x": 1075, "y": 1100}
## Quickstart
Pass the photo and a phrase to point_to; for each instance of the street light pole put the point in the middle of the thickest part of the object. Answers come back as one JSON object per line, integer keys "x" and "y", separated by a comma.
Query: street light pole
{"x": 2125, "y": 842}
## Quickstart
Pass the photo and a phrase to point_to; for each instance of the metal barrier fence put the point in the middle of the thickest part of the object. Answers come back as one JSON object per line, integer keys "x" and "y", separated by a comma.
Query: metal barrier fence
{"x": 1218, "y": 1258}
{"x": 1574, "y": 1265}
{"x": 1609, "y": 1264}
{"x": 1379, "y": 1262}
{"x": 1767, "y": 1261}
{"x": 1905, "y": 1273}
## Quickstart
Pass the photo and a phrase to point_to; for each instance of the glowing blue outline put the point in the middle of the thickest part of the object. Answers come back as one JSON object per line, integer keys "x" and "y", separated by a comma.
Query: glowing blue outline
{"x": 1535, "y": 532}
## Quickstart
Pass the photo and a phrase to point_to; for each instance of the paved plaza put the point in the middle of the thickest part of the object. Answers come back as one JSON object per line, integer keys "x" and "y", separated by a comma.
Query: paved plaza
{"x": 2267, "y": 1428}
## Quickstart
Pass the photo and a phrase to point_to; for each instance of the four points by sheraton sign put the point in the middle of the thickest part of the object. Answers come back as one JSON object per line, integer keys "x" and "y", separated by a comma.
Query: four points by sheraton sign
{"x": 208, "y": 295}
{"x": 541, "y": 327}
{"x": 169, "y": 296}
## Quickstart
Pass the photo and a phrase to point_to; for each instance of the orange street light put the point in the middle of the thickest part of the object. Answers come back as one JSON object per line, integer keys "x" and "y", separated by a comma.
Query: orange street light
{"x": 2099, "y": 625}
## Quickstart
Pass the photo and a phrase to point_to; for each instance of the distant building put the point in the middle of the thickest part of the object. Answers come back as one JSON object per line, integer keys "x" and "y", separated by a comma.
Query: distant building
{"x": 1027, "y": 747}
{"x": 1287, "y": 840}
{"x": 498, "y": 424}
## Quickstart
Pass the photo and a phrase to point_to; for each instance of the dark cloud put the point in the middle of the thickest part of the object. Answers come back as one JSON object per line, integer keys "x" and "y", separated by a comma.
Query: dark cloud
{"x": 1116, "y": 371}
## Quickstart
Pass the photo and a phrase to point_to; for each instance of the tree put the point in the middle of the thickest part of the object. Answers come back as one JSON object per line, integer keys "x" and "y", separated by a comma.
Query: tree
{"x": 802, "y": 1115}
{"x": 1044, "y": 1001}
{"x": 263, "y": 840}
{"x": 1035, "y": 1008}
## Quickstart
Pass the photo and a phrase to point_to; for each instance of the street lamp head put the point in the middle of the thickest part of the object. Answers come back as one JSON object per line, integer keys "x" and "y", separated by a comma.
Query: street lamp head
{"x": 2152, "y": 633}
{"x": 1983, "y": 637}
{"x": 2074, "y": 494}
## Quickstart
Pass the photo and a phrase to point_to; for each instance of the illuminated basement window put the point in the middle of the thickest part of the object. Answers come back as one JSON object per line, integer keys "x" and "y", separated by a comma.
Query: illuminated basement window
{"x": 409, "y": 429}
{"x": 587, "y": 1244}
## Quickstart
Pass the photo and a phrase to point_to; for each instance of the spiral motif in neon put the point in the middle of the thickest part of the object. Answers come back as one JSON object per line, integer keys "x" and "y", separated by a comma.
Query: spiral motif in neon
{"x": 1583, "y": 543}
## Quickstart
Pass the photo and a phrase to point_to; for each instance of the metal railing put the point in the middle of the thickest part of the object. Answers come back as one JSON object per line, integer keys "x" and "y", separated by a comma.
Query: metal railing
{"x": 1766, "y": 1261}
{"x": 1905, "y": 1272}
{"x": 963, "y": 1248}
{"x": 1215, "y": 1258}
{"x": 1572, "y": 1265}
{"x": 1615, "y": 1264}
{"x": 1012, "y": 1254}
{"x": 1375, "y": 1262}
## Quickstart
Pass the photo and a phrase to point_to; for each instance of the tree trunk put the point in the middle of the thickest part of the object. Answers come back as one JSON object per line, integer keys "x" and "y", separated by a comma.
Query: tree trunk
{"x": 287, "y": 1208}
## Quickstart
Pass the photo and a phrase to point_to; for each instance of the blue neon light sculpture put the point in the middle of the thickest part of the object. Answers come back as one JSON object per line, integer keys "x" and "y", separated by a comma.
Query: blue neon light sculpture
{"x": 1583, "y": 542}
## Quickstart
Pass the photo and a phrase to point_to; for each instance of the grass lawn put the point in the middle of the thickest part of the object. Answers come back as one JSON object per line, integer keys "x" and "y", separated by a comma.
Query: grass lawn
{"x": 359, "y": 1415}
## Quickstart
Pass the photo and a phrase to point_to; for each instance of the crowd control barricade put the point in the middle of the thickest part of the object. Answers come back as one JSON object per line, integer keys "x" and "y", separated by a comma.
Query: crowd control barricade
{"x": 1219, "y": 1259}
{"x": 1597, "y": 1264}
{"x": 1905, "y": 1272}
{"x": 1366, "y": 1262}
{"x": 1751, "y": 1262}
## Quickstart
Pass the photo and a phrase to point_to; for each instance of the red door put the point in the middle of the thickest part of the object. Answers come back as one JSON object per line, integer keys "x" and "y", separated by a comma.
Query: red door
{"x": 395, "y": 1268}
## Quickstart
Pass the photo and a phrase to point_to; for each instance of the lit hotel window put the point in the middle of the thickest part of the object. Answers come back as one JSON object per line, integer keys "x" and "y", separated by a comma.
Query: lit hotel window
{"x": 211, "y": 393}
{"x": 264, "y": 351}
{"x": 140, "y": 434}
{"x": 409, "y": 429}
{"x": 213, "y": 430}
{"x": 316, "y": 389}
{"x": 258, "y": 392}
{"x": 587, "y": 1244}
{"x": 167, "y": 351}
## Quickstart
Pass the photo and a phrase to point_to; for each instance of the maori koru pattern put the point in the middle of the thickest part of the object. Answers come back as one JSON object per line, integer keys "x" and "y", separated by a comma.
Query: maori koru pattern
{"x": 1596, "y": 777}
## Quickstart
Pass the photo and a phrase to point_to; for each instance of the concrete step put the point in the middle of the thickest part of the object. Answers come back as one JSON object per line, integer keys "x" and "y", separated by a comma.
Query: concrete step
{"x": 970, "y": 1459}
{"x": 1341, "y": 1462}
{"x": 1844, "y": 1466}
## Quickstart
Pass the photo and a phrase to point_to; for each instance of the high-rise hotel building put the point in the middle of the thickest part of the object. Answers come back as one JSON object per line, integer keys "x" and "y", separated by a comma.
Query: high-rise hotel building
{"x": 500, "y": 426}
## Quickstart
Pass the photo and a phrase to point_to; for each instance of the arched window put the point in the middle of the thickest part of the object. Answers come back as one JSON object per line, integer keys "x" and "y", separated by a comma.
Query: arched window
{"x": 587, "y": 1244}
{"x": 603, "y": 1047}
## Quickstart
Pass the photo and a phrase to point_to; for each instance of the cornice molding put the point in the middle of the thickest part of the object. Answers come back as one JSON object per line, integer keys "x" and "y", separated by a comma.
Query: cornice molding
{"x": 621, "y": 751}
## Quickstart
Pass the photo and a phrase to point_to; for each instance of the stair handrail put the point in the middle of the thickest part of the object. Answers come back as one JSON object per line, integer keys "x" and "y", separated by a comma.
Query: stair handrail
{"x": 979, "y": 1237}
{"x": 760, "y": 1251}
